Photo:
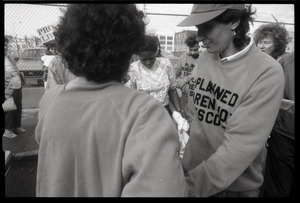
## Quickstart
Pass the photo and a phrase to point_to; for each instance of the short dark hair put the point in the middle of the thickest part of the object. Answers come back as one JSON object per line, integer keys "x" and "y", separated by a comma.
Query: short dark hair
{"x": 49, "y": 46}
{"x": 279, "y": 33}
{"x": 150, "y": 44}
{"x": 245, "y": 16}
{"x": 98, "y": 40}
{"x": 159, "y": 54}
{"x": 191, "y": 41}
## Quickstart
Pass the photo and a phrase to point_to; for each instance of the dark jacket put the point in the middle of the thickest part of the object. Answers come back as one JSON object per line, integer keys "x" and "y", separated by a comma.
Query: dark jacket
{"x": 285, "y": 123}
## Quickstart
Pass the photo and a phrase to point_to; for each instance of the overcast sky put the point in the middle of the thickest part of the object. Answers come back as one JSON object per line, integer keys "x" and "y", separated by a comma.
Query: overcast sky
{"x": 167, "y": 24}
{"x": 25, "y": 19}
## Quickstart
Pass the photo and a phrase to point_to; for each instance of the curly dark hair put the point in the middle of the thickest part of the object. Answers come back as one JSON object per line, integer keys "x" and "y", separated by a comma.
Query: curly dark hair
{"x": 245, "y": 16}
{"x": 150, "y": 44}
{"x": 191, "y": 41}
{"x": 279, "y": 33}
{"x": 98, "y": 40}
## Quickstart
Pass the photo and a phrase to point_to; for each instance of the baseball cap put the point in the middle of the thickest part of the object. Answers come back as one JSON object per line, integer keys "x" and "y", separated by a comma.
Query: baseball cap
{"x": 202, "y": 13}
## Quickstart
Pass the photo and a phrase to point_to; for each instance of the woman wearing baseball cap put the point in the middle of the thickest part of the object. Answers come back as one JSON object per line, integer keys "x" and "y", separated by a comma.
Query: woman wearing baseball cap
{"x": 235, "y": 94}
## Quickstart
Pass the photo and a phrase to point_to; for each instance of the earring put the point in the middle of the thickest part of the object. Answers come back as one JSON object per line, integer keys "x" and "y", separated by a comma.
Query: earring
{"x": 233, "y": 33}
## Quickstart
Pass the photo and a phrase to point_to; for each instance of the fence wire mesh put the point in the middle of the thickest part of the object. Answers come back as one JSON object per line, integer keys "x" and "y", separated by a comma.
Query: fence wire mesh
{"x": 26, "y": 26}
{"x": 23, "y": 26}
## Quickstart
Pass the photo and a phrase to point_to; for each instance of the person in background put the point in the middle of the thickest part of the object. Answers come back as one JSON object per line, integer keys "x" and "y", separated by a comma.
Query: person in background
{"x": 184, "y": 67}
{"x": 98, "y": 138}
{"x": 272, "y": 39}
{"x": 280, "y": 174}
{"x": 58, "y": 73}
{"x": 159, "y": 54}
{"x": 12, "y": 75}
{"x": 233, "y": 89}
{"x": 154, "y": 75}
{"x": 49, "y": 55}
{"x": 135, "y": 57}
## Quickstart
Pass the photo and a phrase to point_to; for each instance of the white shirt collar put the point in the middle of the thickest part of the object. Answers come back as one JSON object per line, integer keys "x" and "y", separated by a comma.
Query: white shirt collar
{"x": 242, "y": 52}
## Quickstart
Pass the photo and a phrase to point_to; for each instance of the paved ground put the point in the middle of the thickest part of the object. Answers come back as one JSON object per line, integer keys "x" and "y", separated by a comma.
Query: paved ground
{"x": 20, "y": 181}
{"x": 26, "y": 141}
{"x": 21, "y": 158}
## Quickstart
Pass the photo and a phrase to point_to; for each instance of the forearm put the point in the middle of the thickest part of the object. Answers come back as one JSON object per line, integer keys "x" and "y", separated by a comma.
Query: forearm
{"x": 174, "y": 98}
{"x": 177, "y": 72}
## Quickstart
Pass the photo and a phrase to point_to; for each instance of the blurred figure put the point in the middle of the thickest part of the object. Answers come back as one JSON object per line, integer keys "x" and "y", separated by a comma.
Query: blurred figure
{"x": 98, "y": 138}
{"x": 135, "y": 57}
{"x": 159, "y": 54}
{"x": 272, "y": 39}
{"x": 13, "y": 76}
{"x": 184, "y": 67}
{"x": 49, "y": 55}
{"x": 154, "y": 75}
{"x": 280, "y": 176}
{"x": 58, "y": 73}
{"x": 233, "y": 89}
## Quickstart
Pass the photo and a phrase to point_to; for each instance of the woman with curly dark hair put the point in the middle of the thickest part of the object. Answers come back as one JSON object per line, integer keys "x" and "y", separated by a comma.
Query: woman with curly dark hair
{"x": 271, "y": 38}
{"x": 96, "y": 137}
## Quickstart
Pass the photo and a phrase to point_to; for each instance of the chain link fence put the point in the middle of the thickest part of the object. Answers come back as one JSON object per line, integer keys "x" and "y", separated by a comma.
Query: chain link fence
{"x": 26, "y": 25}
{"x": 29, "y": 26}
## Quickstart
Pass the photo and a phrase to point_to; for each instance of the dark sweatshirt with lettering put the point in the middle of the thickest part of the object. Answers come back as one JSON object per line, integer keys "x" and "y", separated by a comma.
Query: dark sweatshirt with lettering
{"x": 235, "y": 103}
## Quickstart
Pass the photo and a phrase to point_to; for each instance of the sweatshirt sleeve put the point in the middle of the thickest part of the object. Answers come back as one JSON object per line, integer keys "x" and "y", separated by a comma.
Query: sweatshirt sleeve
{"x": 245, "y": 136}
{"x": 44, "y": 103}
{"x": 150, "y": 166}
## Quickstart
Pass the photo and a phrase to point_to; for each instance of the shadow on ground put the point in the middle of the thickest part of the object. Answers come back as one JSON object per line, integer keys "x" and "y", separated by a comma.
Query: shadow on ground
{"x": 20, "y": 180}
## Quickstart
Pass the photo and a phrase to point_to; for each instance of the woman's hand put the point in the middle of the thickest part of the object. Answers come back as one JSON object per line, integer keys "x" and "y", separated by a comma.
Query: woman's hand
{"x": 181, "y": 83}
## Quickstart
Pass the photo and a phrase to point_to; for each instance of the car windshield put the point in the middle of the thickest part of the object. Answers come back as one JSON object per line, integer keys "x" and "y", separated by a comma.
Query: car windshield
{"x": 33, "y": 54}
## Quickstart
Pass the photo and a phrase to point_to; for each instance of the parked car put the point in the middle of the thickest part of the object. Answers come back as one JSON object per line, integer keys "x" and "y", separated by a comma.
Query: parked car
{"x": 30, "y": 64}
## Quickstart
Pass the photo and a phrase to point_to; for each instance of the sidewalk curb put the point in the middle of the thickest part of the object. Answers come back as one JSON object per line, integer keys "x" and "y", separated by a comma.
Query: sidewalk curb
{"x": 8, "y": 161}
{"x": 18, "y": 155}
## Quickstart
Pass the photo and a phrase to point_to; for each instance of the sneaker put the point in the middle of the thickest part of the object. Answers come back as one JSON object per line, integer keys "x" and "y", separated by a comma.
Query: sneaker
{"x": 9, "y": 134}
{"x": 19, "y": 130}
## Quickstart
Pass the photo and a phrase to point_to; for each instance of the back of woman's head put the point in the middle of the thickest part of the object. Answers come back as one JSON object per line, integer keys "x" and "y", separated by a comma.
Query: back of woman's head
{"x": 279, "y": 34}
{"x": 98, "y": 40}
{"x": 150, "y": 44}
{"x": 245, "y": 16}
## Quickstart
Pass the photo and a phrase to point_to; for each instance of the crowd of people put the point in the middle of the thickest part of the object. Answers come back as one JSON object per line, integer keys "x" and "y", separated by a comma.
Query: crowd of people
{"x": 105, "y": 126}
